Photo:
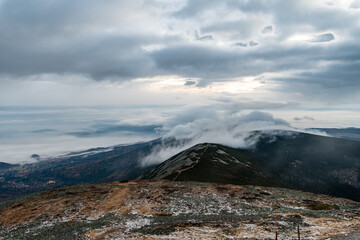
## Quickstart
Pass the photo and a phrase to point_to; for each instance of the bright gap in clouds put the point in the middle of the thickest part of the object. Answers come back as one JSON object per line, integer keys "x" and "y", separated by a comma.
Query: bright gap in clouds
{"x": 73, "y": 90}
{"x": 247, "y": 85}
{"x": 178, "y": 84}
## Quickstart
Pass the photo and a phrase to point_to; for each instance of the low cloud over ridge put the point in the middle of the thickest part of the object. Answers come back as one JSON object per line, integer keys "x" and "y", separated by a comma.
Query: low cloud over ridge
{"x": 199, "y": 125}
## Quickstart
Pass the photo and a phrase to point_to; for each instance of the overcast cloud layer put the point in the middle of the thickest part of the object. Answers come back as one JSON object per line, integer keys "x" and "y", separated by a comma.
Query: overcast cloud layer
{"x": 291, "y": 54}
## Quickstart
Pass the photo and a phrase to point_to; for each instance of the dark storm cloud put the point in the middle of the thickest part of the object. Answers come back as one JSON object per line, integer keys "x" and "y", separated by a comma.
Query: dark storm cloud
{"x": 267, "y": 29}
{"x": 293, "y": 13}
{"x": 202, "y": 38}
{"x": 307, "y": 118}
{"x": 113, "y": 56}
{"x": 78, "y": 37}
{"x": 253, "y": 44}
{"x": 243, "y": 28}
{"x": 68, "y": 37}
{"x": 215, "y": 64}
{"x": 211, "y": 64}
{"x": 241, "y": 44}
{"x": 46, "y": 130}
{"x": 193, "y": 8}
{"x": 334, "y": 77}
{"x": 189, "y": 83}
{"x": 194, "y": 60}
{"x": 323, "y": 38}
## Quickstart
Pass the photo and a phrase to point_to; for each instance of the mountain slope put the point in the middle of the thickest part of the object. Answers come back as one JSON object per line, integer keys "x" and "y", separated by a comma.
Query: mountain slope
{"x": 214, "y": 163}
{"x": 313, "y": 163}
{"x": 92, "y": 166}
{"x": 301, "y": 161}
{"x": 176, "y": 210}
{"x": 345, "y": 133}
{"x": 4, "y": 165}
{"x": 297, "y": 160}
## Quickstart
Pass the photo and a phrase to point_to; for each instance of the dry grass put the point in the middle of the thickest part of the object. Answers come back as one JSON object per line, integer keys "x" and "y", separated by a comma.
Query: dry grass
{"x": 134, "y": 201}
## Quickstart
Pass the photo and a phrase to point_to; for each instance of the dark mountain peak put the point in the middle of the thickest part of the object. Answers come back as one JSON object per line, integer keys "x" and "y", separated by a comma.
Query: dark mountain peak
{"x": 302, "y": 161}
{"x": 209, "y": 162}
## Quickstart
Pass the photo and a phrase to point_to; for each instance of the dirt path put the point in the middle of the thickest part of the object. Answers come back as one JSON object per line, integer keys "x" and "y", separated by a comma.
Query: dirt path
{"x": 196, "y": 162}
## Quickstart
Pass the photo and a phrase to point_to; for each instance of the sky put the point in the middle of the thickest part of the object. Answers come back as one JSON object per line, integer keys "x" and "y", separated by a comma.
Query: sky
{"x": 298, "y": 61}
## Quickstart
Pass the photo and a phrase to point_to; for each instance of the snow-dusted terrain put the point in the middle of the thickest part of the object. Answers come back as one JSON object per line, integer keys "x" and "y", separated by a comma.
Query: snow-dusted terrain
{"x": 177, "y": 210}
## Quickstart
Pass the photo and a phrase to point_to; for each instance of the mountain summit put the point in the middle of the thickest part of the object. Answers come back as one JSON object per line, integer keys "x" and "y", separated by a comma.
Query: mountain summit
{"x": 295, "y": 160}
{"x": 214, "y": 163}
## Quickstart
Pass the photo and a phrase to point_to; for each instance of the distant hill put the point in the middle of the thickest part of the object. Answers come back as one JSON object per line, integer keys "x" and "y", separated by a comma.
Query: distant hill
{"x": 119, "y": 163}
{"x": 4, "y": 165}
{"x": 283, "y": 159}
{"x": 345, "y": 133}
{"x": 297, "y": 160}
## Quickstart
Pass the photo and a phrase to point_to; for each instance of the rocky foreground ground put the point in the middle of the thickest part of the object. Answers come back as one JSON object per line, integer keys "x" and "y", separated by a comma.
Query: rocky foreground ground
{"x": 177, "y": 210}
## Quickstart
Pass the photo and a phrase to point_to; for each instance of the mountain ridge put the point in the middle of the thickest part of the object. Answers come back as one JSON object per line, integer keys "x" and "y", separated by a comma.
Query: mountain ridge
{"x": 306, "y": 162}
{"x": 276, "y": 160}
